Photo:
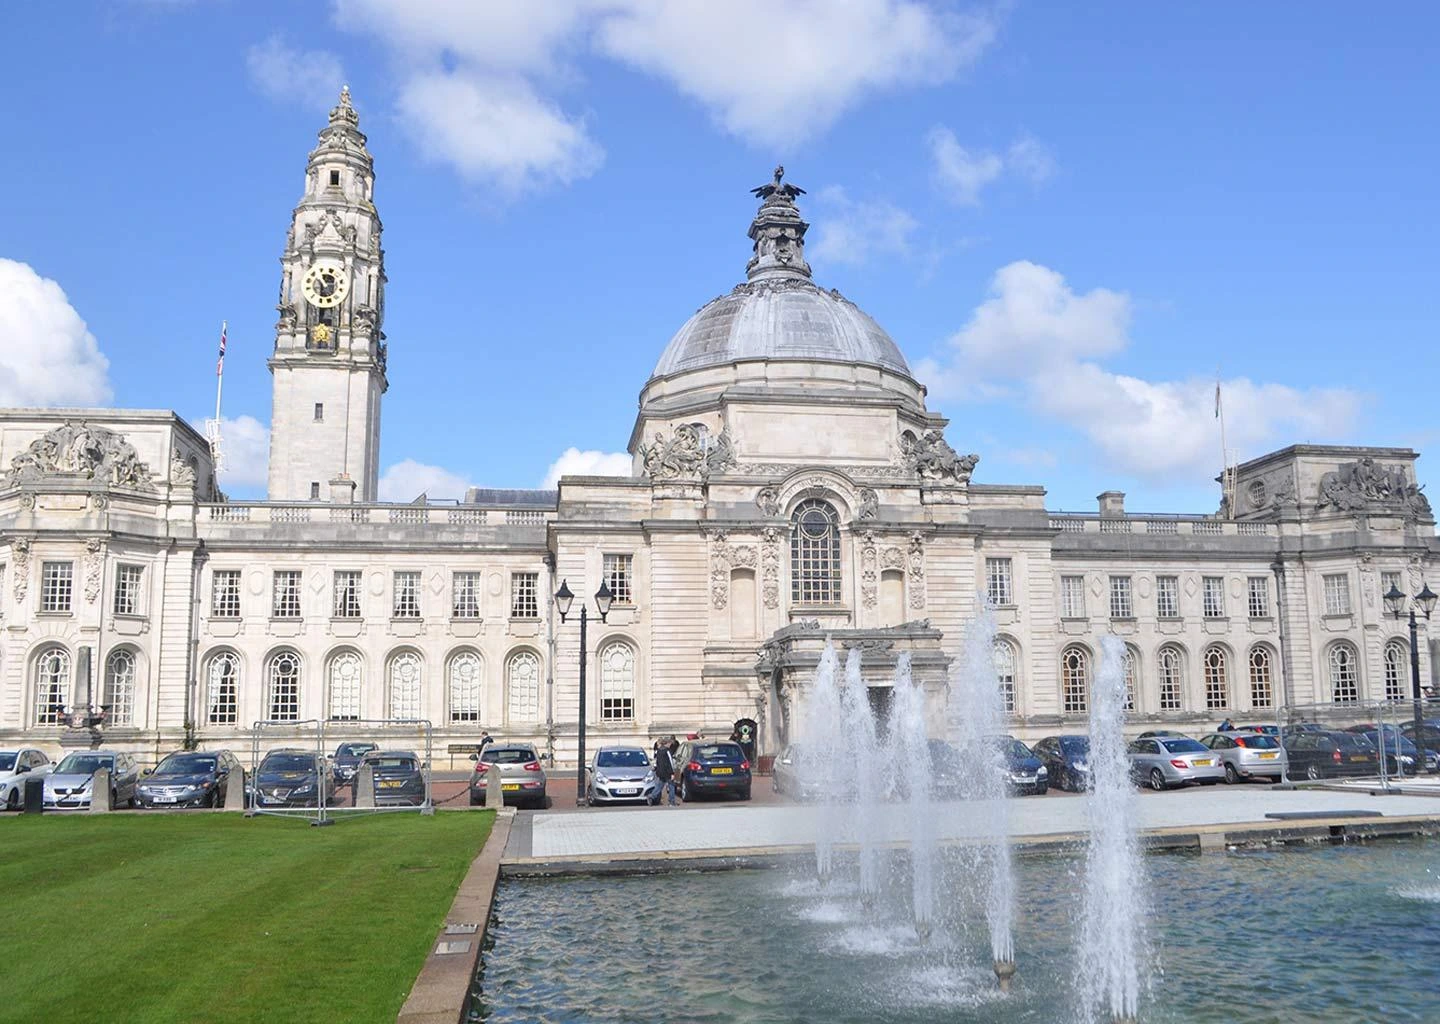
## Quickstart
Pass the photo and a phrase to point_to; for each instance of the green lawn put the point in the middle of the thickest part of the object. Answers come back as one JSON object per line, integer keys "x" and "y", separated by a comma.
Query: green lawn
{"x": 212, "y": 917}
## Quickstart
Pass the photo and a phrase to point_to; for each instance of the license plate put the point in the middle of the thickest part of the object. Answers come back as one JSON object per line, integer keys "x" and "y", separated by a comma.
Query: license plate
{"x": 390, "y": 783}
{"x": 281, "y": 794}
{"x": 722, "y": 771}
{"x": 1361, "y": 757}
{"x": 626, "y": 792}
{"x": 164, "y": 799}
{"x": 508, "y": 786}
{"x": 1267, "y": 757}
{"x": 1204, "y": 762}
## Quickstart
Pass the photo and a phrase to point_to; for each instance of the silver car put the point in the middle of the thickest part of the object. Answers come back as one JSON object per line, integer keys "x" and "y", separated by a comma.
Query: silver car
{"x": 1164, "y": 761}
{"x": 622, "y": 773}
{"x": 1247, "y": 755}
{"x": 15, "y": 767}
{"x": 522, "y": 779}
{"x": 68, "y": 786}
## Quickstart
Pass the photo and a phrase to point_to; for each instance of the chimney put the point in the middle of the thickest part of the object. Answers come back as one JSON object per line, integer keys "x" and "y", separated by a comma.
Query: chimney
{"x": 1112, "y": 504}
{"x": 342, "y": 490}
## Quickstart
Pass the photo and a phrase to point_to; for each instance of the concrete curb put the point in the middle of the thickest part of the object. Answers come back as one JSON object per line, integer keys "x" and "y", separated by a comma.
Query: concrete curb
{"x": 443, "y": 984}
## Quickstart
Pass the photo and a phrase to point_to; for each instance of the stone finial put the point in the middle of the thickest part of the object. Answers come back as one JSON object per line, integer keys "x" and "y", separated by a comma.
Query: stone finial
{"x": 778, "y": 232}
{"x": 343, "y": 112}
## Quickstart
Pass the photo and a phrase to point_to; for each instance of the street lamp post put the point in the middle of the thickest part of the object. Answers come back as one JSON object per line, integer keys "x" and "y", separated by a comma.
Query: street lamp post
{"x": 1395, "y": 603}
{"x": 563, "y": 600}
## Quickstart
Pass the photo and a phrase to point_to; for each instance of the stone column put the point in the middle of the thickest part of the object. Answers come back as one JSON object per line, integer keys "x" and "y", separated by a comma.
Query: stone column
{"x": 494, "y": 788}
{"x": 100, "y": 791}
{"x": 364, "y": 785}
{"x": 235, "y": 790}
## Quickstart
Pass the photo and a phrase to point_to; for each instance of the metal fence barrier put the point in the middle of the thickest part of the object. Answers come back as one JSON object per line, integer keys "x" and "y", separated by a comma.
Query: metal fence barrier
{"x": 1398, "y": 754}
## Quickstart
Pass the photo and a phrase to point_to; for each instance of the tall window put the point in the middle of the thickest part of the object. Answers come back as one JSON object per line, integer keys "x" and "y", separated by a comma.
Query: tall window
{"x": 815, "y": 553}
{"x": 347, "y": 593}
{"x": 1388, "y": 580}
{"x": 524, "y": 595}
{"x": 346, "y": 676}
{"x": 55, "y": 586}
{"x": 1217, "y": 679}
{"x": 282, "y": 703}
{"x": 1259, "y": 587}
{"x": 1337, "y": 594}
{"x": 1121, "y": 606}
{"x": 120, "y": 687}
{"x": 1167, "y": 597}
{"x": 127, "y": 589}
{"x": 1131, "y": 663}
{"x": 1005, "y": 664}
{"x": 616, "y": 573}
{"x": 465, "y": 680}
{"x": 998, "y": 585}
{"x": 465, "y": 595}
{"x": 1344, "y": 675}
{"x": 286, "y": 594}
{"x": 1075, "y": 680}
{"x": 1397, "y": 658}
{"x": 1262, "y": 688}
{"x": 522, "y": 682}
{"x": 225, "y": 594}
{"x": 1171, "y": 679}
{"x": 1213, "y": 588}
{"x": 617, "y": 683}
{"x": 52, "y": 686}
{"x": 223, "y": 690}
{"x": 407, "y": 594}
{"x": 405, "y": 694}
{"x": 1072, "y": 597}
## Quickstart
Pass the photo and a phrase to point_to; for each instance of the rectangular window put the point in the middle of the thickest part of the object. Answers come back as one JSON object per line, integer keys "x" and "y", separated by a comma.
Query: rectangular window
{"x": 1337, "y": 594}
{"x": 55, "y": 586}
{"x": 1120, "y": 603}
{"x": 1387, "y": 580}
{"x": 465, "y": 595}
{"x": 1259, "y": 597}
{"x": 286, "y": 594}
{"x": 334, "y": 177}
{"x": 524, "y": 595}
{"x": 407, "y": 595}
{"x": 127, "y": 589}
{"x": 1072, "y": 597}
{"x": 319, "y": 412}
{"x": 225, "y": 594}
{"x": 1213, "y": 588}
{"x": 314, "y": 490}
{"x": 617, "y": 577}
{"x": 998, "y": 583}
{"x": 347, "y": 594}
{"x": 1167, "y": 597}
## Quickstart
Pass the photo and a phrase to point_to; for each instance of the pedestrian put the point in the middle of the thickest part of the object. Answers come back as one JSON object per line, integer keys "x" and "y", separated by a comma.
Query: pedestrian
{"x": 485, "y": 740}
{"x": 1226, "y": 726}
{"x": 665, "y": 772}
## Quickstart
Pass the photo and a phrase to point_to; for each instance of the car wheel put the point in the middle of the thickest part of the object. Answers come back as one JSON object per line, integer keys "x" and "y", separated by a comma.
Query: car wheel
{"x": 685, "y": 795}
{"x": 12, "y": 802}
{"x": 476, "y": 801}
{"x": 1231, "y": 775}
{"x": 745, "y": 795}
{"x": 1313, "y": 773}
{"x": 1157, "y": 779}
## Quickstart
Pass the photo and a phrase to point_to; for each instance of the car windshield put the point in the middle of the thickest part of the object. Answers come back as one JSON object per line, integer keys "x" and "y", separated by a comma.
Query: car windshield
{"x": 1014, "y": 749}
{"x": 1257, "y": 742}
{"x": 621, "y": 759}
{"x": 288, "y": 763}
{"x": 508, "y": 755}
{"x": 1075, "y": 746}
{"x": 353, "y": 749}
{"x": 84, "y": 764}
{"x": 186, "y": 764}
{"x": 407, "y": 763}
{"x": 717, "y": 752}
{"x": 1182, "y": 746}
{"x": 7, "y": 761}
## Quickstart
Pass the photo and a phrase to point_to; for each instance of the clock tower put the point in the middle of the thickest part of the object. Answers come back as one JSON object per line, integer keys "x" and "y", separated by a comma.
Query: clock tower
{"x": 329, "y": 360}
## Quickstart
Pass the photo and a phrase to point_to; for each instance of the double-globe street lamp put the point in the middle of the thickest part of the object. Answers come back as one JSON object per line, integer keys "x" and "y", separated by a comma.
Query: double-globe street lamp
{"x": 1395, "y": 602}
{"x": 563, "y": 600}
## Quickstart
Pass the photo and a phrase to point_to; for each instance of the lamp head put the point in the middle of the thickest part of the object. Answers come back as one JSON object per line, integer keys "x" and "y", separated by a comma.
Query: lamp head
{"x": 1394, "y": 601}
{"x": 563, "y": 598}
{"x": 1426, "y": 600}
{"x": 603, "y": 600}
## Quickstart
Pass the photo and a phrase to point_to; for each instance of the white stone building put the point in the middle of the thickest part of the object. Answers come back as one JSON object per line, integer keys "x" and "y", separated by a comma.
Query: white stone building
{"x": 788, "y": 484}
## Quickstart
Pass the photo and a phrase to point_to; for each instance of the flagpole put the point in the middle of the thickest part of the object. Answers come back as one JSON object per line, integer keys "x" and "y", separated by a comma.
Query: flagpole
{"x": 213, "y": 432}
{"x": 1227, "y": 481}
{"x": 220, "y": 373}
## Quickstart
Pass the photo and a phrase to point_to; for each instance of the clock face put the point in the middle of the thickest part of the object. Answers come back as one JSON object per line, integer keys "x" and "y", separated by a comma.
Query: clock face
{"x": 325, "y": 285}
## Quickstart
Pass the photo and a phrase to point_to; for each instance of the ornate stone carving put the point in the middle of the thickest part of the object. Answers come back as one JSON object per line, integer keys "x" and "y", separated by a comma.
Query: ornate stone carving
{"x": 868, "y": 644}
{"x": 869, "y": 573}
{"x": 767, "y": 500}
{"x": 181, "y": 473}
{"x": 892, "y": 558}
{"x": 916, "y": 563}
{"x": 724, "y": 557}
{"x": 1282, "y": 493}
{"x": 94, "y": 562}
{"x": 1364, "y": 483}
{"x": 20, "y": 555}
{"x": 869, "y": 504}
{"x": 686, "y": 455}
{"x": 930, "y": 457}
{"x": 770, "y": 567}
{"x": 27, "y": 501}
{"x": 99, "y": 502}
{"x": 85, "y": 451}
{"x": 888, "y": 471}
{"x": 778, "y": 231}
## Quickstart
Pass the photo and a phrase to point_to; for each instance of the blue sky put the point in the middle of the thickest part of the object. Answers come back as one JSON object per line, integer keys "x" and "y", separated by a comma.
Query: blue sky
{"x": 1070, "y": 220}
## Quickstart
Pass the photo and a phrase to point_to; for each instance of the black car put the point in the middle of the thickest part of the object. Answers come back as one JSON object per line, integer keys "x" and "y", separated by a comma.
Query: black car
{"x": 189, "y": 778}
{"x": 1323, "y": 755}
{"x": 1025, "y": 773}
{"x": 347, "y": 760}
{"x": 399, "y": 777}
{"x": 293, "y": 778}
{"x": 707, "y": 767}
{"x": 1066, "y": 760}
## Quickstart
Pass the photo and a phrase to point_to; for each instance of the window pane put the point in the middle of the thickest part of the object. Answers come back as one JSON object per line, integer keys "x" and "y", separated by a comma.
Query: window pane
{"x": 1214, "y": 597}
{"x": 465, "y": 687}
{"x": 283, "y": 704}
{"x": 52, "y": 686}
{"x": 120, "y": 687}
{"x": 465, "y": 593}
{"x": 1397, "y": 664}
{"x": 524, "y": 595}
{"x": 1262, "y": 693}
{"x": 1171, "y": 683}
{"x": 55, "y": 584}
{"x": 1075, "y": 680}
{"x": 225, "y": 594}
{"x": 815, "y": 554}
{"x": 1120, "y": 605}
{"x": 1217, "y": 682}
{"x": 127, "y": 589}
{"x": 287, "y": 594}
{"x": 523, "y": 683}
{"x": 407, "y": 595}
{"x": 1337, "y": 594}
{"x": 1072, "y": 597}
{"x": 617, "y": 683}
{"x": 347, "y": 594}
{"x": 405, "y": 695}
{"x": 1259, "y": 597}
{"x": 617, "y": 577}
{"x": 1167, "y": 597}
{"x": 1344, "y": 680}
{"x": 998, "y": 588}
{"x": 345, "y": 680}
{"x": 1005, "y": 661}
{"x": 223, "y": 698}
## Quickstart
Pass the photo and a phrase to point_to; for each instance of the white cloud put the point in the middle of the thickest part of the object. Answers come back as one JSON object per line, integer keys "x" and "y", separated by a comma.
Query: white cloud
{"x": 407, "y": 480}
{"x": 574, "y": 462}
{"x": 289, "y": 75}
{"x": 961, "y": 174}
{"x": 245, "y": 451}
{"x": 47, "y": 354}
{"x": 1030, "y": 159}
{"x": 850, "y": 231}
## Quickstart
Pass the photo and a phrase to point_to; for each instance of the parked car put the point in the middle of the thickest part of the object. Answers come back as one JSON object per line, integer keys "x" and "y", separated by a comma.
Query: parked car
{"x": 1024, "y": 772}
{"x": 1164, "y": 761}
{"x": 15, "y": 767}
{"x": 1247, "y": 755}
{"x": 1269, "y": 730}
{"x": 1323, "y": 755}
{"x": 1066, "y": 760}
{"x": 347, "y": 758}
{"x": 189, "y": 778}
{"x": 522, "y": 780}
{"x": 68, "y": 785}
{"x": 1429, "y": 734}
{"x": 622, "y": 774}
{"x": 399, "y": 777}
{"x": 707, "y": 767}
{"x": 794, "y": 774}
{"x": 291, "y": 777}
{"x": 1400, "y": 752}
{"x": 1152, "y": 733}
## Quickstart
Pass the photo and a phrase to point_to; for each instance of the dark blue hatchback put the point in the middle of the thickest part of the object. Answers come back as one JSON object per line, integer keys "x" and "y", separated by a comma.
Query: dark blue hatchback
{"x": 707, "y": 767}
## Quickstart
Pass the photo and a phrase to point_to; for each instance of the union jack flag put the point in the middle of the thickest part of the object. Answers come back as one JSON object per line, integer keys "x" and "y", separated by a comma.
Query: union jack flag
{"x": 220, "y": 363}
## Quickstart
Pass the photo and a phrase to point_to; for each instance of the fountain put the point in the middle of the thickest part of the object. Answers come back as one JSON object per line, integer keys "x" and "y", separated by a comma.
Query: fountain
{"x": 825, "y": 763}
{"x": 912, "y": 747}
{"x": 870, "y": 766}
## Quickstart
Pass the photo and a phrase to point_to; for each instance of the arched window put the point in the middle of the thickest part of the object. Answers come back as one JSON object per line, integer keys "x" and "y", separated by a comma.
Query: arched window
{"x": 282, "y": 703}
{"x": 815, "y": 553}
{"x": 405, "y": 695}
{"x": 1172, "y": 680}
{"x": 1396, "y": 657}
{"x": 1132, "y": 676}
{"x": 617, "y": 682}
{"x": 346, "y": 676}
{"x": 1005, "y": 663}
{"x": 223, "y": 690}
{"x": 1262, "y": 687}
{"x": 1344, "y": 675}
{"x": 1075, "y": 680}
{"x": 522, "y": 682}
{"x": 52, "y": 686}
{"x": 465, "y": 679}
{"x": 1217, "y": 679}
{"x": 120, "y": 687}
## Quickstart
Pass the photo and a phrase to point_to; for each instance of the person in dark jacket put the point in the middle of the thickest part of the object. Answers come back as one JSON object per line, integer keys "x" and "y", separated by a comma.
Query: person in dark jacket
{"x": 665, "y": 771}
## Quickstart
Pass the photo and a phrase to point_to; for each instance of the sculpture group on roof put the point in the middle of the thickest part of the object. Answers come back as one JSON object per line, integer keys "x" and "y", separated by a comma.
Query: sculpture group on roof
{"x": 1363, "y": 482}
{"x": 83, "y": 450}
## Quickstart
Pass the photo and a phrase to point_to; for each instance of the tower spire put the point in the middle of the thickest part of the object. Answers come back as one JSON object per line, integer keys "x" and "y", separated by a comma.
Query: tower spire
{"x": 778, "y": 232}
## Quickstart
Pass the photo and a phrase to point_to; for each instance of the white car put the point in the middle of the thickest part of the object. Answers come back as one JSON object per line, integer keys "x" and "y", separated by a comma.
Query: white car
{"x": 15, "y": 767}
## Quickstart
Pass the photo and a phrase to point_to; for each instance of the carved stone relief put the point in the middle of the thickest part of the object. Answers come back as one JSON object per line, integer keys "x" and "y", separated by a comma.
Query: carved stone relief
{"x": 770, "y": 567}
{"x": 20, "y": 554}
{"x": 94, "y": 562}
{"x": 685, "y": 455}
{"x": 85, "y": 451}
{"x": 181, "y": 473}
{"x": 869, "y": 573}
{"x": 930, "y": 457}
{"x": 917, "y": 570}
{"x": 1364, "y": 483}
{"x": 767, "y": 500}
{"x": 869, "y": 504}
